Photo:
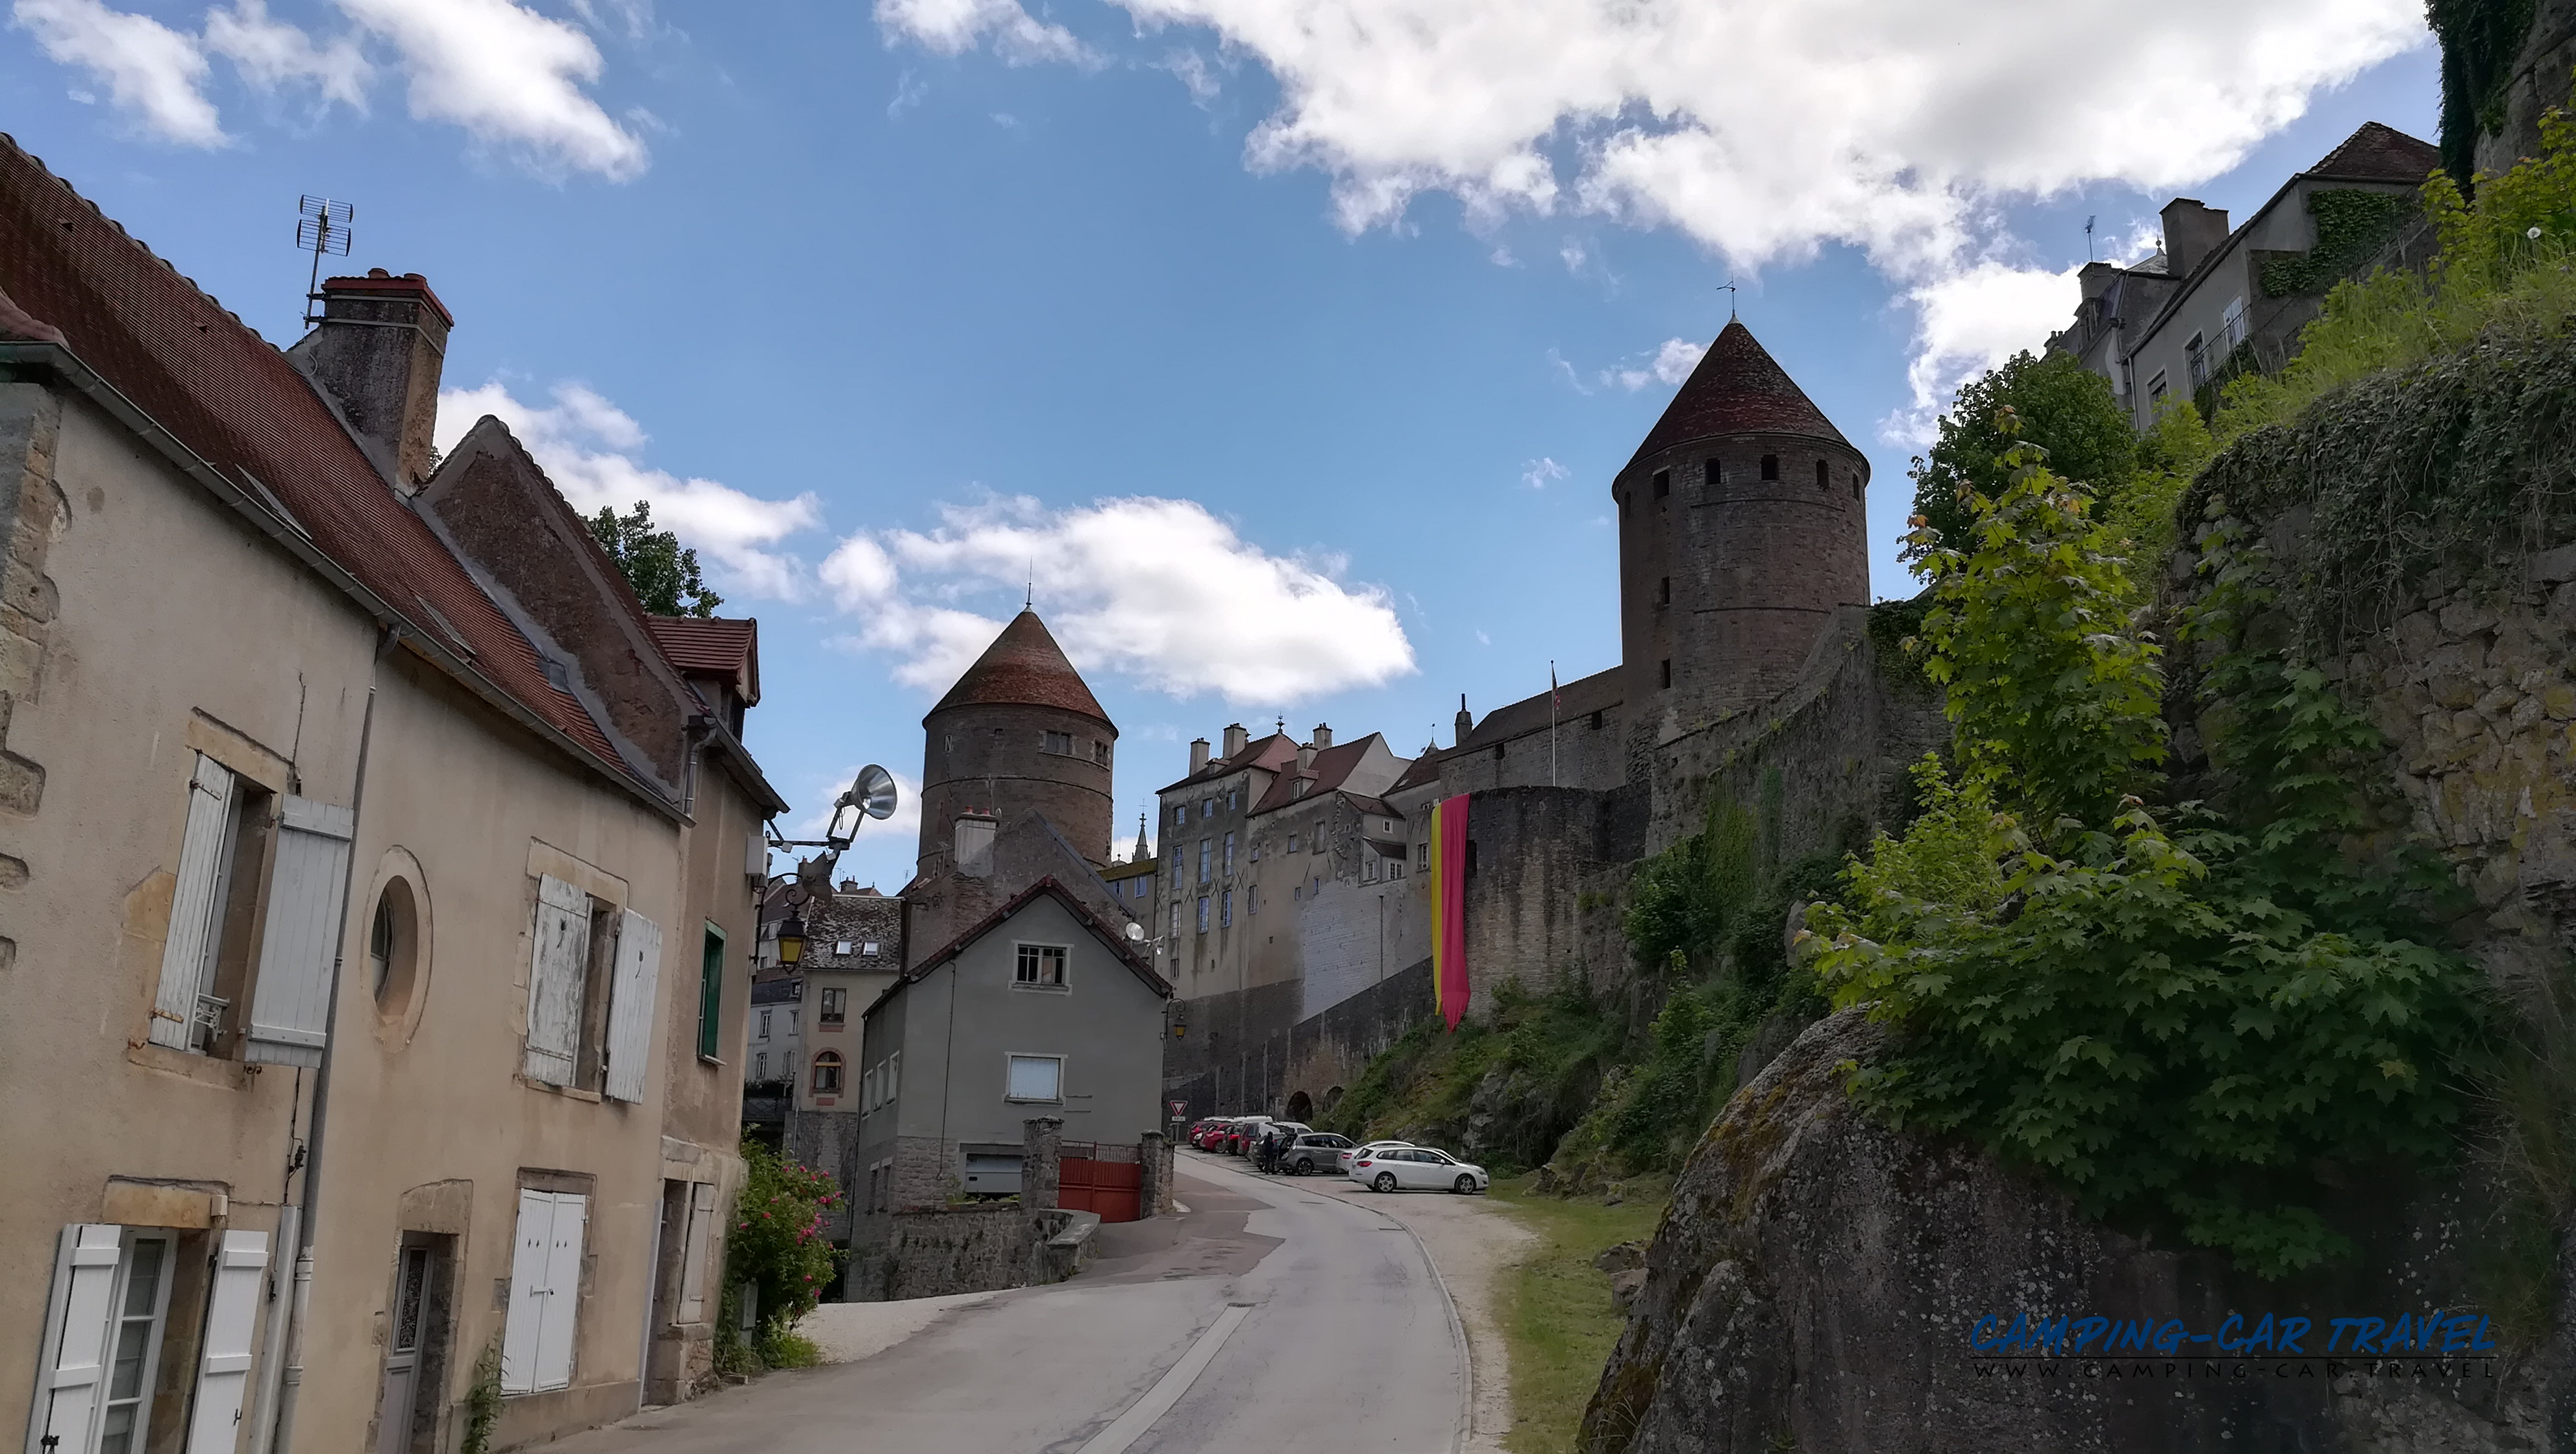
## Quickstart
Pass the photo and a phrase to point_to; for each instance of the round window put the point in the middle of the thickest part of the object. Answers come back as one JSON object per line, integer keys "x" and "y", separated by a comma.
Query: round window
{"x": 393, "y": 946}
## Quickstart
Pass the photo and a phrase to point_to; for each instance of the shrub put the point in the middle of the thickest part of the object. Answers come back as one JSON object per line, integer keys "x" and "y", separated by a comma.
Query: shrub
{"x": 777, "y": 1243}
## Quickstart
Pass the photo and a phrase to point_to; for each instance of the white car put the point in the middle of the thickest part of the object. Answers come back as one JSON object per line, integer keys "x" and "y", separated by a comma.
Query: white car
{"x": 1364, "y": 1148}
{"x": 1416, "y": 1168}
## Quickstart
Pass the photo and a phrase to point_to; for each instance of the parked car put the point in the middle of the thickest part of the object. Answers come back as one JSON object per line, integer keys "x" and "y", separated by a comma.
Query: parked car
{"x": 1312, "y": 1150}
{"x": 1200, "y": 1131}
{"x": 1342, "y": 1163}
{"x": 1417, "y": 1168}
{"x": 1243, "y": 1135}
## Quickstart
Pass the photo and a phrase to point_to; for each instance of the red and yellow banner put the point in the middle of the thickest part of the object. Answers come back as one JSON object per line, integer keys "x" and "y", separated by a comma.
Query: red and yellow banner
{"x": 1449, "y": 907}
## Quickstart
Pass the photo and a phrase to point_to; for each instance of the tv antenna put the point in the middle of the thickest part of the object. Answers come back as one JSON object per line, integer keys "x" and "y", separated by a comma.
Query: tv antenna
{"x": 321, "y": 226}
{"x": 2088, "y": 239}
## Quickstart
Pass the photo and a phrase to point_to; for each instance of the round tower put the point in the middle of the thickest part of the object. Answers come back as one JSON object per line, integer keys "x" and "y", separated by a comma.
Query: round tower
{"x": 1020, "y": 730}
{"x": 1743, "y": 527}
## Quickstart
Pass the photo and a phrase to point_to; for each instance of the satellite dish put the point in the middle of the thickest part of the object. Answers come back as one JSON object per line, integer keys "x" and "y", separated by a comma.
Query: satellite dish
{"x": 874, "y": 791}
{"x": 1135, "y": 932}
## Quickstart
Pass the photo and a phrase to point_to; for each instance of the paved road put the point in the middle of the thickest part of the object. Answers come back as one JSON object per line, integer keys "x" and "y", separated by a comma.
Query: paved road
{"x": 1268, "y": 1319}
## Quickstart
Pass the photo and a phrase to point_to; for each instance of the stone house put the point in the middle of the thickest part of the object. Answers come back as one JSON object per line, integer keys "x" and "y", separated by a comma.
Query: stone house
{"x": 374, "y": 876}
{"x": 2213, "y": 298}
{"x": 853, "y": 951}
{"x": 1043, "y": 1009}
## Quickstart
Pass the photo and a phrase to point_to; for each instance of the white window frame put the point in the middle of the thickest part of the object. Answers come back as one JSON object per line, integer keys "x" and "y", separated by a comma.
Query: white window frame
{"x": 1010, "y": 1064}
{"x": 834, "y": 1006}
{"x": 1027, "y": 952}
{"x": 765, "y": 1013}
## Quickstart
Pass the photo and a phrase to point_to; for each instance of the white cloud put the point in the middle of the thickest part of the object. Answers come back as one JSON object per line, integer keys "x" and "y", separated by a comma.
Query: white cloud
{"x": 1196, "y": 74}
{"x": 1760, "y": 129}
{"x": 1967, "y": 323}
{"x": 1158, "y": 591}
{"x": 952, "y": 27}
{"x": 152, "y": 72}
{"x": 272, "y": 54}
{"x": 1539, "y": 473}
{"x": 511, "y": 77}
{"x": 1672, "y": 363}
{"x": 587, "y": 445}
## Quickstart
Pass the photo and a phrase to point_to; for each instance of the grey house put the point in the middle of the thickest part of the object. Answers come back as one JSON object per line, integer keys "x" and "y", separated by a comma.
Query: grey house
{"x": 1040, "y": 1009}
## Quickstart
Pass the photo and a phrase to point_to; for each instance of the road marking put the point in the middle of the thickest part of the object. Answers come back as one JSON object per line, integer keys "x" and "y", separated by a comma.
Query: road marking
{"x": 1130, "y": 1426}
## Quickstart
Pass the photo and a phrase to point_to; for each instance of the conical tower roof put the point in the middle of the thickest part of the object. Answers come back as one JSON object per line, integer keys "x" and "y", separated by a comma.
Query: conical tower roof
{"x": 1738, "y": 388}
{"x": 1024, "y": 668}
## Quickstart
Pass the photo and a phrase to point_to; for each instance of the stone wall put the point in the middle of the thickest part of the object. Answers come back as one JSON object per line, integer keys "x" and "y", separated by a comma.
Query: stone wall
{"x": 1537, "y": 858}
{"x": 980, "y": 1248}
{"x": 1318, "y": 1056}
{"x": 33, "y": 514}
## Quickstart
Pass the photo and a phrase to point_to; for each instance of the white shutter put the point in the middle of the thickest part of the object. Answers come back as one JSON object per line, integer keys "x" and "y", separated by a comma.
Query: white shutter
{"x": 563, "y": 1293}
{"x": 71, "y": 1369}
{"x": 290, "y": 1004}
{"x": 630, "y": 1007}
{"x": 520, "y": 1327}
{"x": 224, "y": 1371}
{"x": 193, "y": 908}
{"x": 693, "y": 1269}
{"x": 555, "y": 979}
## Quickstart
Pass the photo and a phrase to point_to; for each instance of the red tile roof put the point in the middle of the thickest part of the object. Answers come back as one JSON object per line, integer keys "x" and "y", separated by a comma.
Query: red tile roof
{"x": 2379, "y": 153}
{"x": 1024, "y": 668}
{"x": 239, "y": 404}
{"x": 1737, "y": 389}
{"x": 1272, "y": 753}
{"x": 717, "y": 646}
{"x": 1332, "y": 768}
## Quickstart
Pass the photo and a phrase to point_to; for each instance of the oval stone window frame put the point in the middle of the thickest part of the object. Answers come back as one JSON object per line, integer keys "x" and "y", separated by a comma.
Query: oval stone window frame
{"x": 398, "y": 983}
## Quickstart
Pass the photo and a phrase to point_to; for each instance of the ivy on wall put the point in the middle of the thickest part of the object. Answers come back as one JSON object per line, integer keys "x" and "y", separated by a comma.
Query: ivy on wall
{"x": 2480, "y": 39}
{"x": 2352, "y": 226}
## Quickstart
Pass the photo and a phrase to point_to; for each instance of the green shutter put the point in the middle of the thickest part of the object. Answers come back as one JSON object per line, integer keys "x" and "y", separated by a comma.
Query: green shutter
{"x": 711, "y": 992}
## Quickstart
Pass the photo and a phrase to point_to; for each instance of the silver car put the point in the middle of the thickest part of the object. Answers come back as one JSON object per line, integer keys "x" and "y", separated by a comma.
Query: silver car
{"x": 1315, "y": 1149}
{"x": 1417, "y": 1168}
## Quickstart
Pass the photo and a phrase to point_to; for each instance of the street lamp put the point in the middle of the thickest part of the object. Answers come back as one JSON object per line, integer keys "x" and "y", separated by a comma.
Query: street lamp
{"x": 870, "y": 795}
{"x": 791, "y": 938}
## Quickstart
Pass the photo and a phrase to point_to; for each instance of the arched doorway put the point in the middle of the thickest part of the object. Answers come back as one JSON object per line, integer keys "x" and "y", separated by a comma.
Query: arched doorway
{"x": 1301, "y": 1107}
{"x": 1332, "y": 1098}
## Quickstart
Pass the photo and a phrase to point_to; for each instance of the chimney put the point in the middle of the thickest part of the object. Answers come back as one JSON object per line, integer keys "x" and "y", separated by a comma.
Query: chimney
{"x": 1198, "y": 755}
{"x": 1323, "y": 735}
{"x": 975, "y": 844}
{"x": 377, "y": 351}
{"x": 2096, "y": 279}
{"x": 1236, "y": 738}
{"x": 1466, "y": 722}
{"x": 1306, "y": 757}
{"x": 2192, "y": 233}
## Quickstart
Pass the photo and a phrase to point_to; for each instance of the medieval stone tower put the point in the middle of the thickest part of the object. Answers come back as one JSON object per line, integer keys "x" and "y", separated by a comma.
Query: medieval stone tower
{"x": 1742, "y": 527}
{"x": 1020, "y": 730}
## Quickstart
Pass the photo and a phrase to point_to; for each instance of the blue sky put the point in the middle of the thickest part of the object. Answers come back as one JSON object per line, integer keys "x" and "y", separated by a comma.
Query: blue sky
{"x": 1295, "y": 350}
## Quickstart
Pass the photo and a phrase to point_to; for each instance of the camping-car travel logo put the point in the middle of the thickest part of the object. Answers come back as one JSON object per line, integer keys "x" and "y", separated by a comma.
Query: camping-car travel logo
{"x": 2434, "y": 1343}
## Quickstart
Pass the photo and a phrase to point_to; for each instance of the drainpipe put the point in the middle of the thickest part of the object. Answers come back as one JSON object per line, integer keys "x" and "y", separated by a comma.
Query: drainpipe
{"x": 291, "y": 1374}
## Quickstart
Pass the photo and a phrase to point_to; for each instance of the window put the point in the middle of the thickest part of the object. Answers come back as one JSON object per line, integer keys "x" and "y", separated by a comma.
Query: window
{"x": 393, "y": 948}
{"x": 1205, "y": 847}
{"x": 1368, "y": 869}
{"x": 1292, "y": 843}
{"x": 760, "y": 1065}
{"x": 1668, "y": 681}
{"x": 711, "y": 958}
{"x": 1395, "y": 867}
{"x": 2156, "y": 389}
{"x": 1664, "y": 591}
{"x": 1176, "y": 918}
{"x": 1056, "y": 742}
{"x": 836, "y": 1007}
{"x": 221, "y": 993}
{"x": 1663, "y": 484}
{"x": 1710, "y": 474}
{"x": 1207, "y": 807}
{"x": 1304, "y": 786}
{"x": 765, "y": 1023}
{"x": 1822, "y": 477}
{"x": 590, "y": 992}
{"x": 1100, "y": 752}
{"x": 2231, "y": 326}
{"x": 1229, "y": 853}
{"x": 1252, "y": 898}
{"x": 1230, "y": 796}
{"x": 870, "y": 949}
{"x": 1035, "y": 1078}
{"x": 787, "y": 1066}
{"x": 1422, "y": 856}
{"x": 1041, "y": 966}
{"x": 1203, "y": 913}
{"x": 841, "y": 946}
{"x": 1181, "y": 816}
{"x": 2196, "y": 359}
{"x": 1225, "y": 910}
{"x": 827, "y": 1072}
{"x": 102, "y": 1343}
{"x": 1498, "y": 752}
{"x": 1596, "y": 722}
{"x": 791, "y": 1019}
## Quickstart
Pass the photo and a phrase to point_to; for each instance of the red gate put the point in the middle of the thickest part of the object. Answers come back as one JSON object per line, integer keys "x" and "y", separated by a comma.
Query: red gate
{"x": 1114, "y": 1189}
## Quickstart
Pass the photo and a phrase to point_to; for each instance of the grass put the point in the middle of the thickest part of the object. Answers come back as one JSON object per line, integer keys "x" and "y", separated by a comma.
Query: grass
{"x": 1557, "y": 1314}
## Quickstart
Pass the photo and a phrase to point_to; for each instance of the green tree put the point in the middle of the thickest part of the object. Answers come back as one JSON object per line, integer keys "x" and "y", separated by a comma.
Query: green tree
{"x": 665, "y": 576}
{"x": 2064, "y": 408}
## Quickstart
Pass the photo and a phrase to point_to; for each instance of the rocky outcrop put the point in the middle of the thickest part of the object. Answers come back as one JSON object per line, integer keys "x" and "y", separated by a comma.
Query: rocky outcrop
{"x": 1819, "y": 1285}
